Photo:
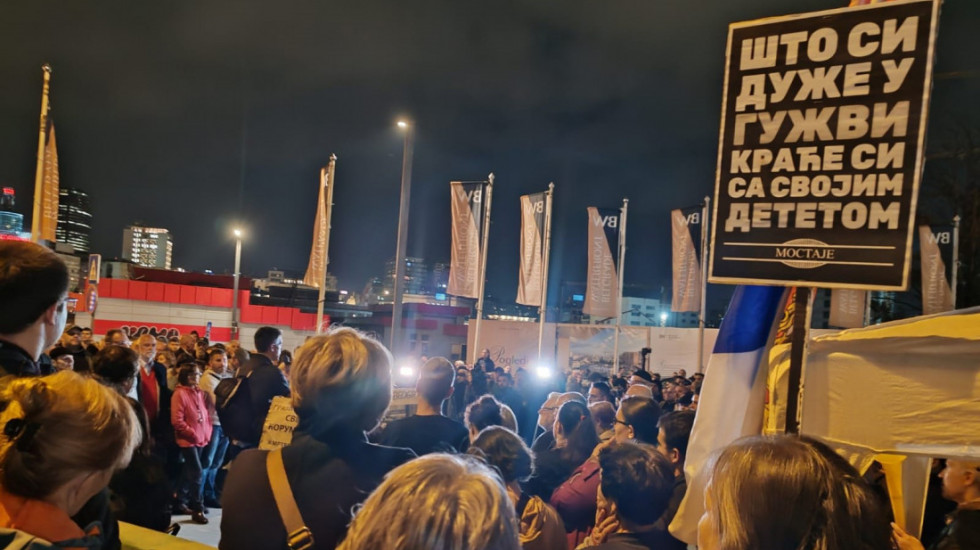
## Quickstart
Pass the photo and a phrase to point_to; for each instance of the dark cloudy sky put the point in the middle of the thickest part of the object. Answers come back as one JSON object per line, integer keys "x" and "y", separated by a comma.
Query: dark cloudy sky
{"x": 193, "y": 115}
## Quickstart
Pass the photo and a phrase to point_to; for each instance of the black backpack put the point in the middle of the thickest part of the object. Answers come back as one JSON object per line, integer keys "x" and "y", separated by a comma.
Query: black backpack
{"x": 234, "y": 406}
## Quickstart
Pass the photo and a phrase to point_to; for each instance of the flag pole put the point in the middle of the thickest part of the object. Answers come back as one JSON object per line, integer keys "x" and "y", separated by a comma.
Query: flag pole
{"x": 483, "y": 267}
{"x": 39, "y": 172}
{"x": 325, "y": 179}
{"x": 956, "y": 258}
{"x": 619, "y": 296}
{"x": 546, "y": 254}
{"x": 704, "y": 280}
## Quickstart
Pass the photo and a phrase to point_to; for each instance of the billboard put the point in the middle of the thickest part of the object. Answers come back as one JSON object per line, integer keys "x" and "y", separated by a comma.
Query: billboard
{"x": 821, "y": 146}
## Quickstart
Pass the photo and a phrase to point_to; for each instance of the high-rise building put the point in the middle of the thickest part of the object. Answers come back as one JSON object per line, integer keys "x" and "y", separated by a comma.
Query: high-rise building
{"x": 148, "y": 246}
{"x": 74, "y": 219}
{"x": 416, "y": 275}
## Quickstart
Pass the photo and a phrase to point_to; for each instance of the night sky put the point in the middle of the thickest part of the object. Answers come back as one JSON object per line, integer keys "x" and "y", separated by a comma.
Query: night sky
{"x": 198, "y": 115}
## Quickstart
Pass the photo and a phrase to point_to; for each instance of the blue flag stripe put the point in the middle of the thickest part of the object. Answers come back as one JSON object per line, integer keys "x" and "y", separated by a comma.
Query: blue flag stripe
{"x": 749, "y": 319}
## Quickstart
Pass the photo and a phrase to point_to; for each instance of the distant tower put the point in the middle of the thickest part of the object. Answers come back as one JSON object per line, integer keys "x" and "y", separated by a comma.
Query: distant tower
{"x": 148, "y": 246}
{"x": 74, "y": 219}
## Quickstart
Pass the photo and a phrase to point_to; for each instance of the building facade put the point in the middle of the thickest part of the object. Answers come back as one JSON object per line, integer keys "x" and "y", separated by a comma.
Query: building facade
{"x": 148, "y": 246}
{"x": 74, "y": 219}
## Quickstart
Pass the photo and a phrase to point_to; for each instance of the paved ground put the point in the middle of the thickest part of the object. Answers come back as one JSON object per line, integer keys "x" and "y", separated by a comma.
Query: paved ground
{"x": 208, "y": 534}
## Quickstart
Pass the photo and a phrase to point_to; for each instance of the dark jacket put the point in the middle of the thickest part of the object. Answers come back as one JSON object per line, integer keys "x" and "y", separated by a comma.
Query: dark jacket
{"x": 328, "y": 475}
{"x": 634, "y": 541}
{"x": 676, "y": 496}
{"x": 15, "y": 361}
{"x": 963, "y": 530}
{"x": 265, "y": 382}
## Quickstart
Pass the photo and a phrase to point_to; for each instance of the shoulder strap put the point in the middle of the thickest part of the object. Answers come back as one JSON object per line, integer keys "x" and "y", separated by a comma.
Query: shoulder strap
{"x": 298, "y": 535}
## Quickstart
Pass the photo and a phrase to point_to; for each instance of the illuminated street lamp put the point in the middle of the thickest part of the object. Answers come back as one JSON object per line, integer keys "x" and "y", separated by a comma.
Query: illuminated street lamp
{"x": 234, "y": 293}
{"x": 402, "y": 243}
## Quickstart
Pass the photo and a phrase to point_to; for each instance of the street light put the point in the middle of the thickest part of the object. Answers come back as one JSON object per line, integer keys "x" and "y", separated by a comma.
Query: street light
{"x": 663, "y": 319}
{"x": 234, "y": 292}
{"x": 402, "y": 243}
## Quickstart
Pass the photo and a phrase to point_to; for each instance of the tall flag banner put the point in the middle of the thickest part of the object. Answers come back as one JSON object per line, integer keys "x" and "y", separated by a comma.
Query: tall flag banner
{"x": 733, "y": 394}
{"x": 937, "y": 296}
{"x": 685, "y": 228}
{"x": 847, "y": 307}
{"x": 529, "y": 291}
{"x": 602, "y": 286}
{"x": 467, "y": 218}
{"x": 821, "y": 146}
{"x": 315, "y": 269}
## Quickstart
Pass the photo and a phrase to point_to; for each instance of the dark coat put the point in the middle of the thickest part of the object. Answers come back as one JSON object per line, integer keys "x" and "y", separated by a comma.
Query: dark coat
{"x": 161, "y": 430}
{"x": 265, "y": 382}
{"x": 16, "y": 361}
{"x": 328, "y": 475}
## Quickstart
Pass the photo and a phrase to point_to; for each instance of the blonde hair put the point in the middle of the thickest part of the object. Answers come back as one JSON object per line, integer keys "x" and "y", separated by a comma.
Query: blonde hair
{"x": 341, "y": 378}
{"x": 436, "y": 502}
{"x": 58, "y": 427}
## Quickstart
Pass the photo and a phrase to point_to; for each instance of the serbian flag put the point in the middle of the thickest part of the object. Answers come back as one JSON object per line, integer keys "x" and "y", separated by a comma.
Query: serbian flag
{"x": 733, "y": 395}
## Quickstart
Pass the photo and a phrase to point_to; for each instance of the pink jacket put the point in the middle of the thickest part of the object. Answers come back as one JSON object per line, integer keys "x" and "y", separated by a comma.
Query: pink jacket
{"x": 190, "y": 417}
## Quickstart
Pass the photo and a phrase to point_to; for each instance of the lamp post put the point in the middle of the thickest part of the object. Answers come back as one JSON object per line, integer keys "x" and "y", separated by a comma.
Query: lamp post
{"x": 402, "y": 243}
{"x": 234, "y": 292}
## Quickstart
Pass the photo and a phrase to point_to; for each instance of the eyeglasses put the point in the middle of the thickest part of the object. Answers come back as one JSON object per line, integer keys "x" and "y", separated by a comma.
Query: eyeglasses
{"x": 623, "y": 422}
{"x": 543, "y": 409}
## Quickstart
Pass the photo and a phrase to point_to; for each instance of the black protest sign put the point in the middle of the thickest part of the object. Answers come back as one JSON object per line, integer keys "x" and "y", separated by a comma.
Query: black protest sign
{"x": 820, "y": 156}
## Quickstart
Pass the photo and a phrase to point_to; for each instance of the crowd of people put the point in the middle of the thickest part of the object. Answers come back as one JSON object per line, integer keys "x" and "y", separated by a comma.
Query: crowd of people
{"x": 96, "y": 432}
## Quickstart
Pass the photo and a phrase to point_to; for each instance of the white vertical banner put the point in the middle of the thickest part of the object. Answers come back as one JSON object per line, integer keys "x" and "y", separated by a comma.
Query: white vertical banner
{"x": 937, "y": 296}
{"x": 685, "y": 267}
{"x": 464, "y": 264}
{"x": 529, "y": 277}
{"x": 602, "y": 286}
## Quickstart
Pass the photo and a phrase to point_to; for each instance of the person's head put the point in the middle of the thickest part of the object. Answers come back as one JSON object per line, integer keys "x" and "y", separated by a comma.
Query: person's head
{"x": 639, "y": 390}
{"x": 604, "y": 415}
{"x": 508, "y": 417}
{"x": 146, "y": 346}
{"x": 238, "y": 358}
{"x": 73, "y": 336}
{"x": 166, "y": 358}
{"x": 600, "y": 391}
{"x": 86, "y": 336}
{"x": 341, "y": 380}
{"x": 435, "y": 383}
{"x": 961, "y": 480}
{"x": 667, "y": 389}
{"x": 682, "y": 373}
{"x": 548, "y": 411}
{"x": 188, "y": 343}
{"x": 482, "y": 413}
{"x": 189, "y": 374}
{"x": 62, "y": 359}
{"x": 485, "y": 354}
{"x": 33, "y": 295}
{"x": 636, "y": 483}
{"x": 465, "y": 506}
{"x": 173, "y": 344}
{"x": 63, "y": 437}
{"x": 641, "y": 377}
{"x": 115, "y": 366}
{"x": 575, "y": 432}
{"x": 505, "y": 380}
{"x": 462, "y": 375}
{"x": 506, "y": 452}
{"x": 786, "y": 493}
{"x": 116, "y": 337}
{"x": 637, "y": 419}
{"x": 218, "y": 360}
{"x": 673, "y": 435}
{"x": 268, "y": 342}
